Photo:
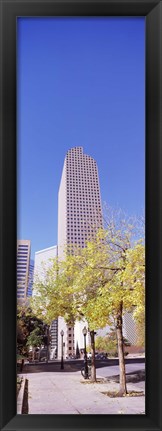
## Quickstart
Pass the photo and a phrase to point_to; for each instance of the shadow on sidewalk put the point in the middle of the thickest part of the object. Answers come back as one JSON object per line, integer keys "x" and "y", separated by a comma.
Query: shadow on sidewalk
{"x": 132, "y": 377}
{"x": 72, "y": 366}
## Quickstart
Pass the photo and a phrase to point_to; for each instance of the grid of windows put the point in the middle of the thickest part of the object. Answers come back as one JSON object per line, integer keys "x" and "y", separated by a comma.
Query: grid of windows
{"x": 80, "y": 213}
{"x": 23, "y": 256}
{"x": 83, "y": 207}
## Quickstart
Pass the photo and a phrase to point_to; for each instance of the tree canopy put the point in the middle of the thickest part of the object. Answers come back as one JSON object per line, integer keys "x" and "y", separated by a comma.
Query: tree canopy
{"x": 98, "y": 283}
{"x": 30, "y": 330}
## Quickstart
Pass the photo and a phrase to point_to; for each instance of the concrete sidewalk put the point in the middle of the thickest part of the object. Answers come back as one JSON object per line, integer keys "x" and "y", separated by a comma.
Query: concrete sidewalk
{"x": 69, "y": 393}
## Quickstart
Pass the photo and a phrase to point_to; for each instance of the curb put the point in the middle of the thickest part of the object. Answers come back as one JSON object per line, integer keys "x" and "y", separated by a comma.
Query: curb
{"x": 20, "y": 397}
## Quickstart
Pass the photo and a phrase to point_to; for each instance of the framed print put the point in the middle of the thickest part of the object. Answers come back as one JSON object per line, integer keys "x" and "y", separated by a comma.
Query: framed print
{"x": 25, "y": 76}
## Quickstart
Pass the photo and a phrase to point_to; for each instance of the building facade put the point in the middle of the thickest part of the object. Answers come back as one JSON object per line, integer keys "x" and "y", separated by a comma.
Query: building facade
{"x": 23, "y": 264}
{"x": 79, "y": 200}
{"x": 79, "y": 217}
{"x": 31, "y": 277}
{"x": 130, "y": 328}
{"x": 42, "y": 261}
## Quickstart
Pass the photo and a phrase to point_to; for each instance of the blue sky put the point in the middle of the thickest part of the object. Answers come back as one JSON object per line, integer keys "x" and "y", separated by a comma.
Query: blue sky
{"x": 80, "y": 82}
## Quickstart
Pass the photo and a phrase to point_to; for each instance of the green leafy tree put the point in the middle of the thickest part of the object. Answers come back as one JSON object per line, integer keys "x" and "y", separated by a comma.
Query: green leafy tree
{"x": 107, "y": 344}
{"x": 114, "y": 296}
{"x": 35, "y": 339}
{"x": 98, "y": 283}
{"x": 27, "y": 322}
{"x": 112, "y": 281}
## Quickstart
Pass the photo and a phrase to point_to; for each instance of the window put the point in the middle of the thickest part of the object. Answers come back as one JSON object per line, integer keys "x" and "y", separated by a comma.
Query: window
{"x": 20, "y": 259}
{"x": 23, "y": 246}
{"x": 22, "y": 253}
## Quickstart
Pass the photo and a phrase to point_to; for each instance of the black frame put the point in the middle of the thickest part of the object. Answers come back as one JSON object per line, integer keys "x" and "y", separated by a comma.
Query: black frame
{"x": 152, "y": 10}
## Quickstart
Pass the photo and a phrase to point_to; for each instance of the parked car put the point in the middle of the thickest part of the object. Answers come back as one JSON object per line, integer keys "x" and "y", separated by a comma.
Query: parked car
{"x": 72, "y": 357}
{"x": 102, "y": 356}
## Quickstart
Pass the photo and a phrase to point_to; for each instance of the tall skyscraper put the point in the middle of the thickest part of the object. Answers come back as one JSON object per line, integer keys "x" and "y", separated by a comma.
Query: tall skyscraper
{"x": 79, "y": 200}
{"x": 43, "y": 257}
{"x": 79, "y": 217}
{"x": 31, "y": 275}
{"x": 23, "y": 261}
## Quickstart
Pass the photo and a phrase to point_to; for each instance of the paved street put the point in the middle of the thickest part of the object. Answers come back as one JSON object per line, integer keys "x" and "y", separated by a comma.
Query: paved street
{"x": 75, "y": 365}
{"x": 68, "y": 393}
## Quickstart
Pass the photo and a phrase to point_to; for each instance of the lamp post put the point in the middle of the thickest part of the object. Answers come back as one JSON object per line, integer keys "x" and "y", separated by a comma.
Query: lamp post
{"x": 47, "y": 342}
{"x": 62, "y": 359}
{"x": 85, "y": 354}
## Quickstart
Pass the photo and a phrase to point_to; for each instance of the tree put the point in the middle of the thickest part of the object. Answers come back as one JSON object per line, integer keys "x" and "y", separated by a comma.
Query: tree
{"x": 98, "y": 283}
{"x": 53, "y": 291}
{"x": 22, "y": 334}
{"x": 113, "y": 281}
{"x": 56, "y": 293}
{"x": 35, "y": 339}
{"x": 140, "y": 326}
{"x": 107, "y": 344}
{"x": 27, "y": 323}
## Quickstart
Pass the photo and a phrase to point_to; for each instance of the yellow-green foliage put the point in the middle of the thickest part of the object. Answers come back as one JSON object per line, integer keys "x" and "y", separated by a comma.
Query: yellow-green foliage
{"x": 94, "y": 281}
{"x": 107, "y": 344}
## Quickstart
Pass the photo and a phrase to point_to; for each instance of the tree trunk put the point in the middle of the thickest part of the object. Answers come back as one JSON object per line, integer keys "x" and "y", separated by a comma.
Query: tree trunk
{"x": 22, "y": 364}
{"x": 93, "y": 367}
{"x": 119, "y": 333}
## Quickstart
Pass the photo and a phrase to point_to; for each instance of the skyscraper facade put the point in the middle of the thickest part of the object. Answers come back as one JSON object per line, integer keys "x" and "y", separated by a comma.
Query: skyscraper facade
{"x": 31, "y": 275}
{"x": 79, "y": 200}
{"x": 79, "y": 217}
{"x": 23, "y": 261}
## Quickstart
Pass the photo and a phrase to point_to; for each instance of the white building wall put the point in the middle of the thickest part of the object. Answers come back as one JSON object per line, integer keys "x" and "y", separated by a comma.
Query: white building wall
{"x": 42, "y": 259}
{"x": 78, "y": 334}
{"x": 42, "y": 262}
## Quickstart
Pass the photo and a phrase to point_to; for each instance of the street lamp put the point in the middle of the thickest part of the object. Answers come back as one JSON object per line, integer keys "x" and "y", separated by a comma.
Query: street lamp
{"x": 85, "y": 354}
{"x": 47, "y": 341}
{"x": 62, "y": 359}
